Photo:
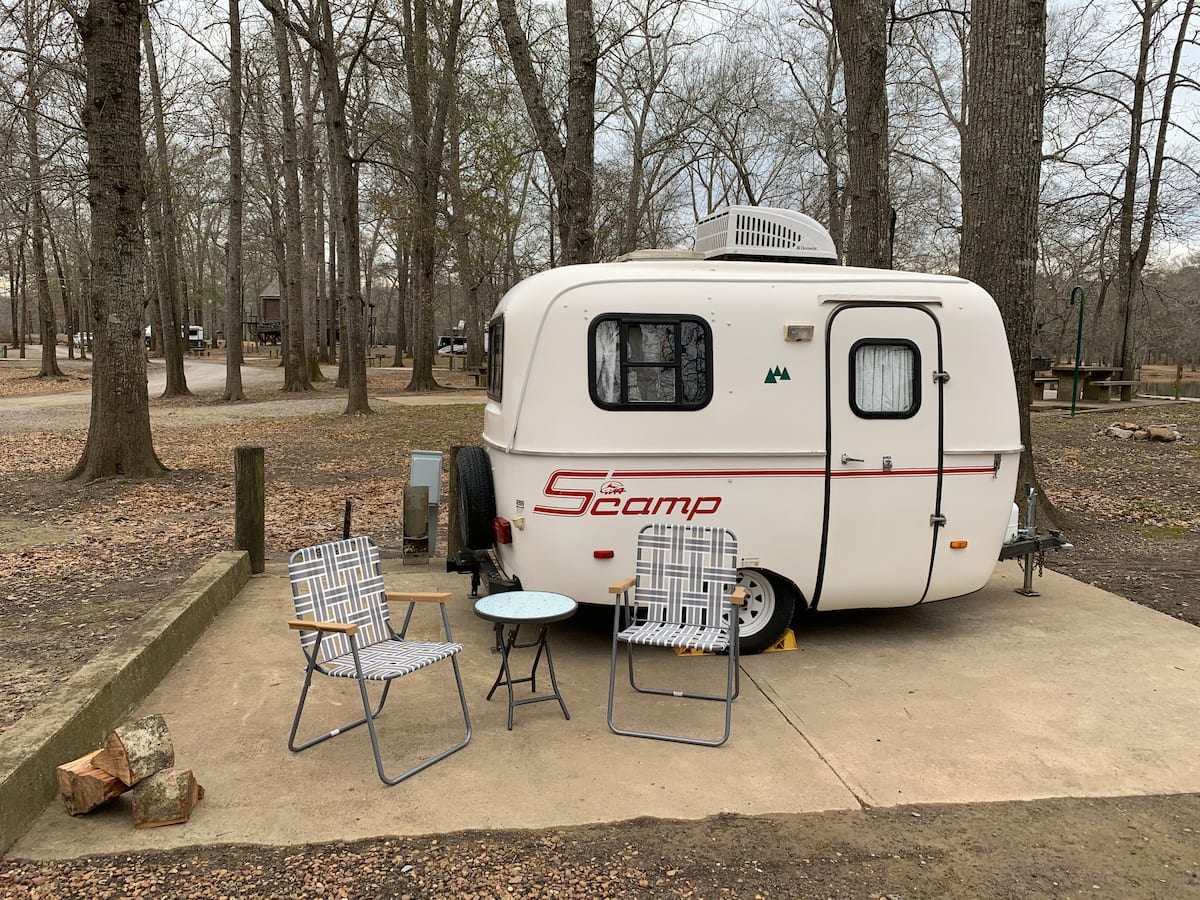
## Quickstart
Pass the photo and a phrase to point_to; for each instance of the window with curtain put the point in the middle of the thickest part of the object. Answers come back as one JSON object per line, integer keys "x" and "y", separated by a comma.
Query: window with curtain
{"x": 884, "y": 378}
{"x": 495, "y": 360}
{"x": 650, "y": 362}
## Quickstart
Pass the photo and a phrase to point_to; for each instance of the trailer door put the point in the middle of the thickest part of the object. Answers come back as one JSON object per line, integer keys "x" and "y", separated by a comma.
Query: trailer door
{"x": 883, "y": 468}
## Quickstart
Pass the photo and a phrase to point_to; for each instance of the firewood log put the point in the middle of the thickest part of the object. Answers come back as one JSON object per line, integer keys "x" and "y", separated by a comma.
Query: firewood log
{"x": 165, "y": 798}
{"x": 137, "y": 750}
{"x": 84, "y": 787}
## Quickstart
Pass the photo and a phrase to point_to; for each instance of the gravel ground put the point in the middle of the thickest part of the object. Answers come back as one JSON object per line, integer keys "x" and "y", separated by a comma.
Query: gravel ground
{"x": 1134, "y": 847}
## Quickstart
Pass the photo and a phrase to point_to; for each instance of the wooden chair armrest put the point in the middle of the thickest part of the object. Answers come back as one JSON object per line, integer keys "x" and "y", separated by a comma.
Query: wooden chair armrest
{"x": 622, "y": 586}
{"x": 339, "y": 627}
{"x": 417, "y": 597}
{"x": 738, "y": 597}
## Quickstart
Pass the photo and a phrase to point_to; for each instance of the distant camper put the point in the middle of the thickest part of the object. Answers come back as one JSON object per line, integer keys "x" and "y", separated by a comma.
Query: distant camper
{"x": 193, "y": 333}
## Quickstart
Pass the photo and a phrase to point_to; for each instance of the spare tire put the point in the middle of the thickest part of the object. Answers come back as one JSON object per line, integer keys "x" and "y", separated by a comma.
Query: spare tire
{"x": 476, "y": 498}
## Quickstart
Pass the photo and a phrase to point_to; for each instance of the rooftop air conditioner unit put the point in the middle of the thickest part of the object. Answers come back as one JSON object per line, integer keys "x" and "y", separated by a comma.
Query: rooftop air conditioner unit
{"x": 765, "y": 234}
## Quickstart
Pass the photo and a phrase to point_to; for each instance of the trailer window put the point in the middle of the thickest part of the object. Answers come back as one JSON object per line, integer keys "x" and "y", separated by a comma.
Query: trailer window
{"x": 650, "y": 362}
{"x": 883, "y": 378}
{"x": 495, "y": 360}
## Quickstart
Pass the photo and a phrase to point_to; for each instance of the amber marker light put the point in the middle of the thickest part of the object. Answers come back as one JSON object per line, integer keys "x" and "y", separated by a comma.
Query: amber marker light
{"x": 958, "y": 545}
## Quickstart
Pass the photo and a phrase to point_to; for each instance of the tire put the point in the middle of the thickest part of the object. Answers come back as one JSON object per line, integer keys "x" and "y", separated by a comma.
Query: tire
{"x": 770, "y": 602}
{"x": 476, "y": 498}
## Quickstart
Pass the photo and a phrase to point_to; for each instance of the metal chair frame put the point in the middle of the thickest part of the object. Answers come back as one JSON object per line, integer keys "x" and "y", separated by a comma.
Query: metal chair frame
{"x": 628, "y": 612}
{"x": 350, "y": 632}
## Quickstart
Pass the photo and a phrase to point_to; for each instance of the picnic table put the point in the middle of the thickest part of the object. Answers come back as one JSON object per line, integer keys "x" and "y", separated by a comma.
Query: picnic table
{"x": 1095, "y": 383}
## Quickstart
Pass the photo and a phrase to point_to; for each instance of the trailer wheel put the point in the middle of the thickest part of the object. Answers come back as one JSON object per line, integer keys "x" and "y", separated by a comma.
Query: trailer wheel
{"x": 476, "y": 498}
{"x": 770, "y": 602}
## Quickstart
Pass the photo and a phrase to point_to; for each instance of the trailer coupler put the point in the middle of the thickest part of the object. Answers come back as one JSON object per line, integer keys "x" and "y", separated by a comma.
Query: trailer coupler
{"x": 1030, "y": 546}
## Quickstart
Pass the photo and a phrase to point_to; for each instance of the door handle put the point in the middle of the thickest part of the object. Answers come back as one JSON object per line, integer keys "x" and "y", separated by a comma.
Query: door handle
{"x": 847, "y": 458}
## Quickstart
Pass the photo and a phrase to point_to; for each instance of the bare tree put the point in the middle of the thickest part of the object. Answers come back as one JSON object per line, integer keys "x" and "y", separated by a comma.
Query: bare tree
{"x": 1001, "y": 168}
{"x": 317, "y": 30}
{"x": 119, "y": 440}
{"x": 570, "y": 153}
{"x": 295, "y": 367}
{"x": 170, "y": 277}
{"x": 430, "y": 93}
{"x": 1132, "y": 256}
{"x": 35, "y": 24}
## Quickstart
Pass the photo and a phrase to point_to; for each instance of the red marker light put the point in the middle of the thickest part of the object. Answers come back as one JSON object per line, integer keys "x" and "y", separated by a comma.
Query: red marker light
{"x": 502, "y": 530}
{"x": 602, "y": 554}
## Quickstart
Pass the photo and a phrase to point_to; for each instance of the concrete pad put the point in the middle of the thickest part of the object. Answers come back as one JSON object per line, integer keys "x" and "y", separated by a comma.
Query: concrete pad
{"x": 989, "y": 697}
{"x": 997, "y": 696}
{"x": 229, "y": 705}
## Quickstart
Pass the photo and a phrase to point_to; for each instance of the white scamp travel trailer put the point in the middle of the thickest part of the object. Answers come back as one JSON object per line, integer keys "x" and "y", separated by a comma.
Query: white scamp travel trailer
{"x": 856, "y": 429}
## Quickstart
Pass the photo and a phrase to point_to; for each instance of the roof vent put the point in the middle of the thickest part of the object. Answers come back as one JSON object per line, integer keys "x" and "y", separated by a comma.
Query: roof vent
{"x": 766, "y": 234}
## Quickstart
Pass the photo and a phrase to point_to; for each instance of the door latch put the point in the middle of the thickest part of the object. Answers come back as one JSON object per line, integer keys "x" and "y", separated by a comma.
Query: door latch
{"x": 847, "y": 458}
{"x": 937, "y": 520}
{"x": 941, "y": 377}
{"x": 887, "y": 464}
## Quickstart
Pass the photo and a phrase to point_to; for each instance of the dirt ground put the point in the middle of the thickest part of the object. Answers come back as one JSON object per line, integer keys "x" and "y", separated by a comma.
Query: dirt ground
{"x": 79, "y": 562}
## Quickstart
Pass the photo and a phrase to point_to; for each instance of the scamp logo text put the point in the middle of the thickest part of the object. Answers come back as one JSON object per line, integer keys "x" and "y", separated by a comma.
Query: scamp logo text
{"x": 595, "y": 494}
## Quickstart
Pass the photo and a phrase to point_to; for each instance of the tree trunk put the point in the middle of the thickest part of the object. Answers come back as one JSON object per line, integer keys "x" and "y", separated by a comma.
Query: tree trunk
{"x": 174, "y": 336}
{"x": 862, "y": 37}
{"x": 47, "y": 330}
{"x": 118, "y": 441}
{"x": 430, "y": 95}
{"x": 1001, "y": 166}
{"x": 70, "y": 308}
{"x": 401, "y": 296}
{"x": 234, "y": 310}
{"x": 295, "y": 369}
{"x": 314, "y": 255}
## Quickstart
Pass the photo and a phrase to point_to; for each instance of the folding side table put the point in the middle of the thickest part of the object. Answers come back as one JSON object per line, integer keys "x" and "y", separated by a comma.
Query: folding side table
{"x": 517, "y": 608}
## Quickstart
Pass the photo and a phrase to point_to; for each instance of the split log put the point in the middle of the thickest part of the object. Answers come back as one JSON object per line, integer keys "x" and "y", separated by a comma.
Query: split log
{"x": 165, "y": 798}
{"x": 137, "y": 750}
{"x": 84, "y": 787}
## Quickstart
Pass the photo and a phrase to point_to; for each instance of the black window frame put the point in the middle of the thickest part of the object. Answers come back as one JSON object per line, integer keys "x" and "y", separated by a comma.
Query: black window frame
{"x": 495, "y": 359}
{"x": 624, "y": 320}
{"x": 916, "y": 378}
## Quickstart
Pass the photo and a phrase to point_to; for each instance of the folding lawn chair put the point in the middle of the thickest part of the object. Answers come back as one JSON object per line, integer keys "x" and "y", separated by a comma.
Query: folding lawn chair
{"x": 346, "y": 632}
{"x": 685, "y": 594}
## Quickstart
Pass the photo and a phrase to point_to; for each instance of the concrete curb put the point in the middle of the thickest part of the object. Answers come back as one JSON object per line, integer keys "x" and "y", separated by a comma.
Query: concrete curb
{"x": 75, "y": 719}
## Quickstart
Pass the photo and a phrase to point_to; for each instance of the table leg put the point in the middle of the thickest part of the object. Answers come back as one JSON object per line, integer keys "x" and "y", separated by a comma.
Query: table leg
{"x": 505, "y": 645}
{"x": 553, "y": 681}
{"x": 504, "y": 676}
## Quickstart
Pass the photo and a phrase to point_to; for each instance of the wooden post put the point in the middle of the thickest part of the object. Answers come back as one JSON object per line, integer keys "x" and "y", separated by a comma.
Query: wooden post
{"x": 1178, "y": 379}
{"x": 416, "y": 524}
{"x": 250, "y": 505}
{"x": 454, "y": 542}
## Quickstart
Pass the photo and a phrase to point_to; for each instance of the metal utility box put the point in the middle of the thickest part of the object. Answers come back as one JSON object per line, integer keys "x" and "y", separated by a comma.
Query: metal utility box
{"x": 426, "y": 471}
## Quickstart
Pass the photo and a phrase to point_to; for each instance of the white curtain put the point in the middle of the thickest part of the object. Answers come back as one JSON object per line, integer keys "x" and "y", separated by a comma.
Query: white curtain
{"x": 884, "y": 378}
{"x": 608, "y": 375}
